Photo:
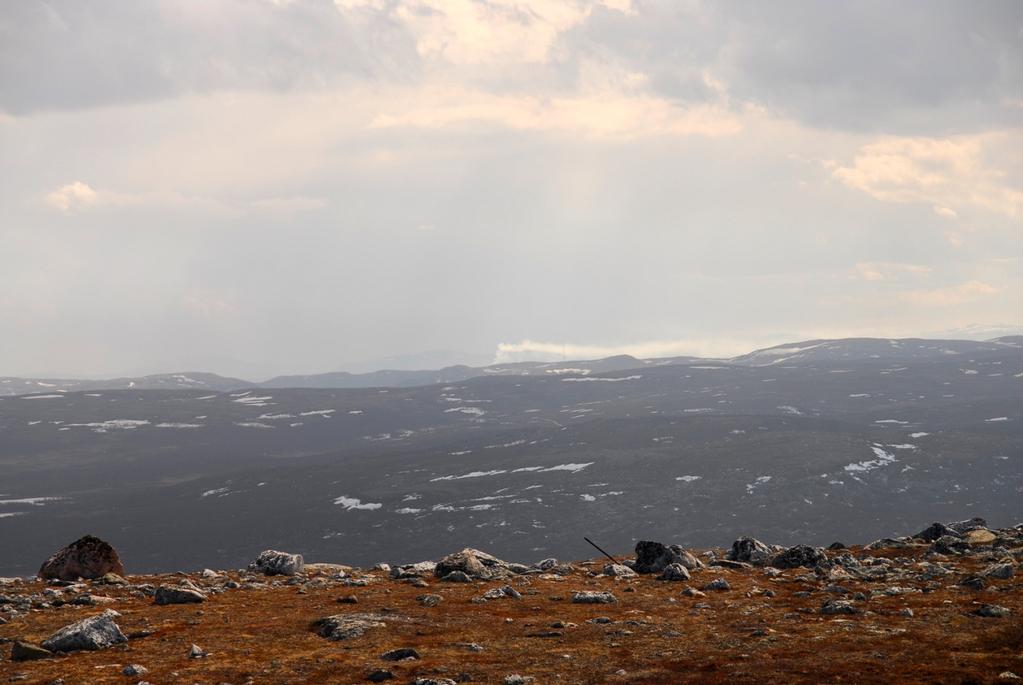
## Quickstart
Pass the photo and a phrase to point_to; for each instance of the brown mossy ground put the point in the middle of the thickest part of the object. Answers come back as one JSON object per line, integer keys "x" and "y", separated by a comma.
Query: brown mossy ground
{"x": 657, "y": 635}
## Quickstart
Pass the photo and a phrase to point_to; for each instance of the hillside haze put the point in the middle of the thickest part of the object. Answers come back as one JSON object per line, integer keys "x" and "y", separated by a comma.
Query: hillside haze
{"x": 805, "y": 442}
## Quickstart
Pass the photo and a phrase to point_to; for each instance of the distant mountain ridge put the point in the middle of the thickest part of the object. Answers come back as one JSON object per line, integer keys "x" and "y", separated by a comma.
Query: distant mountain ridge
{"x": 822, "y": 350}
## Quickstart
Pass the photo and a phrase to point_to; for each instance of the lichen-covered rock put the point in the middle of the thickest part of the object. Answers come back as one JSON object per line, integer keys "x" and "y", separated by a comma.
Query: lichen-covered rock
{"x": 274, "y": 563}
{"x": 1001, "y": 571}
{"x": 475, "y": 564}
{"x": 591, "y": 597}
{"x": 95, "y": 632}
{"x": 949, "y": 544}
{"x": 619, "y": 571}
{"x": 87, "y": 557}
{"x": 178, "y": 595}
{"x": 347, "y": 626}
{"x": 675, "y": 572}
{"x": 838, "y": 606}
{"x": 654, "y": 557}
{"x": 429, "y": 600}
{"x": 800, "y": 555}
{"x": 719, "y": 584}
{"x": 749, "y": 550}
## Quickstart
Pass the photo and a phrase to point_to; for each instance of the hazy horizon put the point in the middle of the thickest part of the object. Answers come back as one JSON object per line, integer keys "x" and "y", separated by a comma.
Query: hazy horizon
{"x": 526, "y": 351}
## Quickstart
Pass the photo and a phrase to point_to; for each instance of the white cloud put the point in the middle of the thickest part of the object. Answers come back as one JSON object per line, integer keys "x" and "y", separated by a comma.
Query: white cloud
{"x": 887, "y": 271}
{"x": 297, "y": 203}
{"x": 945, "y": 173}
{"x": 468, "y": 32}
{"x": 76, "y": 195}
{"x": 81, "y": 197}
{"x": 949, "y": 296}
{"x": 607, "y": 113}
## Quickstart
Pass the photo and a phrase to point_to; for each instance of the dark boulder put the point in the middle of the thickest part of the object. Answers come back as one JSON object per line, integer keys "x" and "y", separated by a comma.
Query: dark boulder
{"x": 749, "y": 550}
{"x": 966, "y": 526}
{"x": 87, "y": 557}
{"x": 654, "y": 557}
{"x": 25, "y": 651}
{"x": 800, "y": 555}
{"x": 936, "y": 530}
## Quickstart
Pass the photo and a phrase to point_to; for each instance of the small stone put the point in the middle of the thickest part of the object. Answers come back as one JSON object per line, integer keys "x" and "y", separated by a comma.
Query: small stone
{"x": 197, "y": 652}
{"x": 380, "y": 675}
{"x": 134, "y": 670}
{"x": 429, "y": 600}
{"x": 693, "y": 592}
{"x": 348, "y": 599}
{"x": 675, "y": 572}
{"x": 401, "y": 654}
{"x": 993, "y": 611}
{"x": 499, "y": 592}
{"x": 1002, "y": 571}
{"x": 717, "y": 584}
{"x": 591, "y": 597}
{"x": 347, "y": 626}
{"x": 516, "y": 679}
{"x": 26, "y": 651}
{"x": 907, "y": 612}
{"x": 838, "y": 606}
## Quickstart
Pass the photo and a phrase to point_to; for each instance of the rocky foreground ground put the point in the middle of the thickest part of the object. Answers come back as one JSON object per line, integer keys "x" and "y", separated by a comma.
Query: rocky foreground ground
{"x": 945, "y": 606}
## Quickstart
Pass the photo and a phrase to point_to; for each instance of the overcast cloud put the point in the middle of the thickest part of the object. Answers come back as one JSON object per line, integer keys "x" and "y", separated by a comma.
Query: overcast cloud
{"x": 269, "y": 186}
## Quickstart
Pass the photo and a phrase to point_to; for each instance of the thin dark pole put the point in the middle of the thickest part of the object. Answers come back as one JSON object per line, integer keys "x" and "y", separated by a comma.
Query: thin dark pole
{"x": 613, "y": 560}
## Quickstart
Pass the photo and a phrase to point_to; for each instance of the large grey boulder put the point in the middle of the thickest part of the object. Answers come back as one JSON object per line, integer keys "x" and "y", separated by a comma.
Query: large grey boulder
{"x": 475, "y": 564}
{"x": 87, "y": 557}
{"x": 800, "y": 555}
{"x": 274, "y": 563}
{"x": 936, "y": 530}
{"x": 95, "y": 632}
{"x": 654, "y": 557}
{"x": 749, "y": 550}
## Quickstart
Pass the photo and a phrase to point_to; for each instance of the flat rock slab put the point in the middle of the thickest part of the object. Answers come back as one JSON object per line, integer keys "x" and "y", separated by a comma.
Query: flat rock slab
{"x": 347, "y": 626}
{"x": 95, "y": 632}
{"x": 177, "y": 595}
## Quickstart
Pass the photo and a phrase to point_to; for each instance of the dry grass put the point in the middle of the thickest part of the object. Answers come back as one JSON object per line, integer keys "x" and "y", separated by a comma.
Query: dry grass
{"x": 657, "y": 635}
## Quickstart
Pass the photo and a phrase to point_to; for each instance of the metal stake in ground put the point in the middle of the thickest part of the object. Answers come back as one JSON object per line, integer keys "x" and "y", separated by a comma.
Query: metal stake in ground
{"x": 613, "y": 560}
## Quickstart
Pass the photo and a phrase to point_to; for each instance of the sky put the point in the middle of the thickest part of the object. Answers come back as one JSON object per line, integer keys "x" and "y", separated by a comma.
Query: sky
{"x": 256, "y": 187}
